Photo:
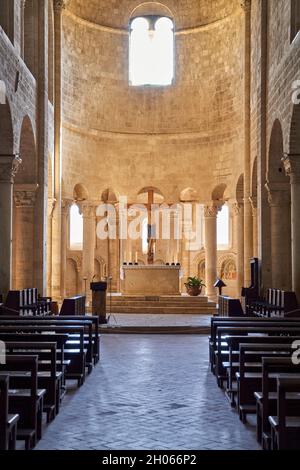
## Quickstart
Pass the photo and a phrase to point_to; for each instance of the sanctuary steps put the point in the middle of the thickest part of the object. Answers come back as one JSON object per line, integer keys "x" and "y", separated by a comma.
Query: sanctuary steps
{"x": 161, "y": 305}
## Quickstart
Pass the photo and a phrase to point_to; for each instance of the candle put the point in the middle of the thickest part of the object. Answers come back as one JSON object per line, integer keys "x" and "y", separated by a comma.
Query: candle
{"x": 130, "y": 257}
{"x": 125, "y": 257}
{"x": 136, "y": 256}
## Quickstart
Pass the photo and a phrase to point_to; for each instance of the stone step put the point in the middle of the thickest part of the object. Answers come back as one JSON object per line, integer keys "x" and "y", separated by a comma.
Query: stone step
{"x": 165, "y": 310}
{"x": 177, "y": 300}
{"x": 158, "y": 330}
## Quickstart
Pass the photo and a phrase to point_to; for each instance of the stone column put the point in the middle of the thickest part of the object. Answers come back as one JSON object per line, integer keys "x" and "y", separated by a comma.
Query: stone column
{"x": 51, "y": 205}
{"x": 279, "y": 201}
{"x": 210, "y": 218}
{"x": 59, "y": 6}
{"x": 253, "y": 202}
{"x": 65, "y": 217}
{"x": 9, "y": 165}
{"x": 292, "y": 167}
{"x": 248, "y": 227}
{"x": 238, "y": 215}
{"x": 23, "y": 227}
{"x": 89, "y": 242}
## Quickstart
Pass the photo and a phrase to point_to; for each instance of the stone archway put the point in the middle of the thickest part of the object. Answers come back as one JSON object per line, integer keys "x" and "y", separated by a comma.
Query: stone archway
{"x": 278, "y": 188}
{"x": 24, "y": 227}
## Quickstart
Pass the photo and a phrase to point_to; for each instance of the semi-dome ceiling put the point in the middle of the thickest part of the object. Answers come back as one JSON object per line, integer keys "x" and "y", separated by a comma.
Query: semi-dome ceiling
{"x": 187, "y": 13}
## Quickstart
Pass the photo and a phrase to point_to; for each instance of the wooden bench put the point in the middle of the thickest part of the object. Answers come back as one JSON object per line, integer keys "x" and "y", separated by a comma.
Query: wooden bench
{"x": 90, "y": 339}
{"x": 275, "y": 303}
{"x": 266, "y": 398}
{"x": 26, "y": 302}
{"x": 8, "y": 422}
{"x": 26, "y": 401}
{"x": 74, "y": 349}
{"x": 249, "y": 378}
{"x": 45, "y": 364}
{"x": 285, "y": 429}
{"x": 268, "y": 329}
{"x": 73, "y": 306}
{"x": 233, "y": 364}
{"x": 49, "y": 378}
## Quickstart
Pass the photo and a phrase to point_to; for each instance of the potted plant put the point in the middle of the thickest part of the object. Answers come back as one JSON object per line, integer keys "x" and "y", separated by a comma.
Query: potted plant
{"x": 194, "y": 286}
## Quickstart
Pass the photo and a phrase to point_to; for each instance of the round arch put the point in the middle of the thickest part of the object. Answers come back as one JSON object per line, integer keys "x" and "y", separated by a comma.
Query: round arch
{"x": 27, "y": 173}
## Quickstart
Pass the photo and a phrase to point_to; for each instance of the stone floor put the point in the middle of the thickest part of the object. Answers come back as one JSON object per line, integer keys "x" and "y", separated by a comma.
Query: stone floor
{"x": 149, "y": 392}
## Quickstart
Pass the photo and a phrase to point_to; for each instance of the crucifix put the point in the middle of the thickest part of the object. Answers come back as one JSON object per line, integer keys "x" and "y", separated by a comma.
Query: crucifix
{"x": 151, "y": 228}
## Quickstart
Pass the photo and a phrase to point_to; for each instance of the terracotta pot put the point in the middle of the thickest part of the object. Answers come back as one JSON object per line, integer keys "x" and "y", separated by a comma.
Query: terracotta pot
{"x": 194, "y": 291}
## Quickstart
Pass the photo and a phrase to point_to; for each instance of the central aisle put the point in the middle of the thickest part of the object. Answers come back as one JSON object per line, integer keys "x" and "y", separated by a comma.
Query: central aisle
{"x": 149, "y": 392}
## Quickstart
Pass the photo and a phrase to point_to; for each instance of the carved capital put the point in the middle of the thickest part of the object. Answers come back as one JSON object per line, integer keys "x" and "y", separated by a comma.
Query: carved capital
{"x": 246, "y": 5}
{"x": 237, "y": 208}
{"x": 60, "y": 5}
{"x": 9, "y": 165}
{"x": 25, "y": 195}
{"x": 211, "y": 210}
{"x": 23, "y": 3}
{"x": 277, "y": 195}
{"x": 88, "y": 210}
{"x": 292, "y": 167}
{"x": 66, "y": 205}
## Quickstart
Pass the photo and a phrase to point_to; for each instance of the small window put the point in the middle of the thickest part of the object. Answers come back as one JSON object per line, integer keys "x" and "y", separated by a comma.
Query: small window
{"x": 295, "y": 18}
{"x": 76, "y": 228}
{"x": 151, "y": 51}
{"x": 223, "y": 228}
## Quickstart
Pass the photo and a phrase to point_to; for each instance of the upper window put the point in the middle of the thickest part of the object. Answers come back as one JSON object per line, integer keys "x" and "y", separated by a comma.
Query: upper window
{"x": 76, "y": 228}
{"x": 223, "y": 228}
{"x": 295, "y": 18}
{"x": 151, "y": 55}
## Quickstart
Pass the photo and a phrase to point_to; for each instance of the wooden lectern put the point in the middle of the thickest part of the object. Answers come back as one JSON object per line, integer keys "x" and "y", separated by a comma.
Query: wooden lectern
{"x": 99, "y": 300}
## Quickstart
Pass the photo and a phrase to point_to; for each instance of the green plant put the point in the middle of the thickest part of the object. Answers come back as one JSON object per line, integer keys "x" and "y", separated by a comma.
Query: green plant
{"x": 194, "y": 282}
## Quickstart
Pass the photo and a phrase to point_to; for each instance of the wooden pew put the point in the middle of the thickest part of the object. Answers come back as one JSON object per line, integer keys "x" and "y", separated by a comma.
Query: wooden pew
{"x": 233, "y": 364}
{"x": 28, "y": 401}
{"x": 89, "y": 339}
{"x": 76, "y": 353}
{"x": 266, "y": 399}
{"x": 74, "y": 306}
{"x": 285, "y": 429}
{"x": 267, "y": 329}
{"x": 49, "y": 378}
{"x": 249, "y": 379}
{"x": 45, "y": 365}
{"x": 8, "y": 422}
{"x": 233, "y": 321}
{"x": 26, "y": 302}
{"x": 95, "y": 327}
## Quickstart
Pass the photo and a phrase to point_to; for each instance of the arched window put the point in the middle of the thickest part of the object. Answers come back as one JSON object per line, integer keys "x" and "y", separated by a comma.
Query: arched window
{"x": 76, "y": 228}
{"x": 223, "y": 228}
{"x": 151, "y": 51}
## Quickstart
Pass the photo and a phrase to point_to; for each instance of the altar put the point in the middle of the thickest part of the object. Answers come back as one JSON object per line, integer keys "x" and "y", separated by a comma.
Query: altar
{"x": 152, "y": 280}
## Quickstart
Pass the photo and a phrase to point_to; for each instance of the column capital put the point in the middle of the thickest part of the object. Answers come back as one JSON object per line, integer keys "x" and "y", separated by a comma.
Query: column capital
{"x": 66, "y": 205}
{"x": 60, "y": 5}
{"x": 245, "y": 5}
{"x": 211, "y": 210}
{"x": 278, "y": 195}
{"x": 9, "y": 165}
{"x": 23, "y": 4}
{"x": 88, "y": 209}
{"x": 237, "y": 208}
{"x": 25, "y": 195}
{"x": 291, "y": 164}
